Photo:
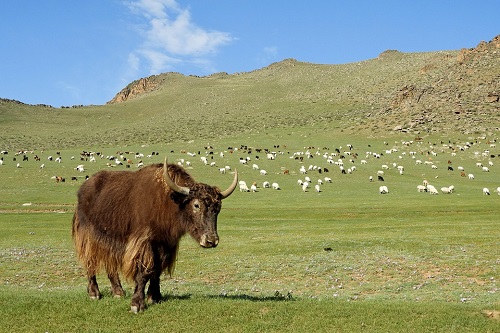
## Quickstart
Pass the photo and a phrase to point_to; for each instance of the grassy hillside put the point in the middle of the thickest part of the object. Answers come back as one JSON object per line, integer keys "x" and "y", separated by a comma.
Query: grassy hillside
{"x": 419, "y": 93}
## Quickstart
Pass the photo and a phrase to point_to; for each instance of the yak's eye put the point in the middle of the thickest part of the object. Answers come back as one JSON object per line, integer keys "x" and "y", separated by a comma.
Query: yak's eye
{"x": 196, "y": 205}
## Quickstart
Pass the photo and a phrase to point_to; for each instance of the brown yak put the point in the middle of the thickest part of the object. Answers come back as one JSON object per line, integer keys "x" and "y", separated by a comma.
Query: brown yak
{"x": 131, "y": 222}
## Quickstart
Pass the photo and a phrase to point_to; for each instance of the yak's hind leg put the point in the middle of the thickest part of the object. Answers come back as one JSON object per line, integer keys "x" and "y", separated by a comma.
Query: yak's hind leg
{"x": 84, "y": 249}
{"x": 116, "y": 286}
{"x": 93, "y": 288}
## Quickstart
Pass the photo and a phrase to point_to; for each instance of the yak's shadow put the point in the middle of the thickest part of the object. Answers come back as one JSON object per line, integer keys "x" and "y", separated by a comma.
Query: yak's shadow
{"x": 277, "y": 297}
{"x": 183, "y": 297}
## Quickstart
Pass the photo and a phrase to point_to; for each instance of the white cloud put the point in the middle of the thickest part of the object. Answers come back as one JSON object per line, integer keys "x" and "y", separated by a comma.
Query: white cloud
{"x": 172, "y": 38}
{"x": 153, "y": 8}
{"x": 158, "y": 61}
{"x": 133, "y": 62}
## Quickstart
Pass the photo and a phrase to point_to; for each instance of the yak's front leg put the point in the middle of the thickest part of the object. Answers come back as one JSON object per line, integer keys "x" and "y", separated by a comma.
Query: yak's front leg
{"x": 93, "y": 288}
{"x": 116, "y": 286}
{"x": 154, "y": 294}
{"x": 137, "y": 304}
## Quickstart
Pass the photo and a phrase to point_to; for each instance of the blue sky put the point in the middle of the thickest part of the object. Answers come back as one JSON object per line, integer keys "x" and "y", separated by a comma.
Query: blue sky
{"x": 65, "y": 53}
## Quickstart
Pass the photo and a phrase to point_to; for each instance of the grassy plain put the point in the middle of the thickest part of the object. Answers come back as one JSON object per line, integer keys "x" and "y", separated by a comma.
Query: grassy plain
{"x": 345, "y": 259}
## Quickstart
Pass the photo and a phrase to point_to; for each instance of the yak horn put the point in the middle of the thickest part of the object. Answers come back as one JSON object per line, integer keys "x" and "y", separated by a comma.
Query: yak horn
{"x": 231, "y": 188}
{"x": 173, "y": 186}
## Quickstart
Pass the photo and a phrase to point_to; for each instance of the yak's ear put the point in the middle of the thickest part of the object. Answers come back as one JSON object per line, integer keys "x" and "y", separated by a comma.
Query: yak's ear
{"x": 173, "y": 186}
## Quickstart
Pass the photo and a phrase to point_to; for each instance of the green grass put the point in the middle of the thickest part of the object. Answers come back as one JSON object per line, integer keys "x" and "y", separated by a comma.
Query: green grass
{"x": 193, "y": 313}
{"x": 346, "y": 259}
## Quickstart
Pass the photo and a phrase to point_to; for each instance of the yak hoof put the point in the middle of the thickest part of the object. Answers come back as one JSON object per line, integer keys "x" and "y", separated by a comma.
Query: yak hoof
{"x": 94, "y": 297}
{"x": 134, "y": 309}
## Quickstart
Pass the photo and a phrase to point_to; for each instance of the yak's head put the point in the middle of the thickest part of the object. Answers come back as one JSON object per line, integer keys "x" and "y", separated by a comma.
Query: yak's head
{"x": 200, "y": 205}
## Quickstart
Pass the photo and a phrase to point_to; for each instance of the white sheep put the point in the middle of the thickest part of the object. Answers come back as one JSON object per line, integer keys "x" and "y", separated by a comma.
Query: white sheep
{"x": 317, "y": 188}
{"x": 498, "y": 190}
{"x": 328, "y": 180}
{"x": 275, "y": 186}
{"x": 263, "y": 172}
{"x": 421, "y": 188}
{"x": 253, "y": 188}
{"x": 486, "y": 191}
{"x": 222, "y": 170}
{"x": 255, "y": 167}
{"x": 470, "y": 175}
{"x": 266, "y": 184}
{"x": 305, "y": 185}
{"x": 432, "y": 190}
{"x": 243, "y": 186}
{"x": 383, "y": 189}
{"x": 486, "y": 169}
{"x": 446, "y": 190}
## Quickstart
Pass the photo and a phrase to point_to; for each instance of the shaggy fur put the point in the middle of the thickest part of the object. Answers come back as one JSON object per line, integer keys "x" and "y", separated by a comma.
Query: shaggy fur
{"x": 131, "y": 222}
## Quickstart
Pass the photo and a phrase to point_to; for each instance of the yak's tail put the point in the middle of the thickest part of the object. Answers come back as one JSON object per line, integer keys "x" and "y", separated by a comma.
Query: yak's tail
{"x": 84, "y": 247}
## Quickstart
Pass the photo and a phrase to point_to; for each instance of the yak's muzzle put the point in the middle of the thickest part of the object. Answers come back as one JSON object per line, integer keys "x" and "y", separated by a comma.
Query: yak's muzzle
{"x": 209, "y": 240}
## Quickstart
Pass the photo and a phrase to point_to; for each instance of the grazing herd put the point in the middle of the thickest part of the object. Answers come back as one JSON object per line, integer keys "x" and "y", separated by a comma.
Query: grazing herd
{"x": 315, "y": 169}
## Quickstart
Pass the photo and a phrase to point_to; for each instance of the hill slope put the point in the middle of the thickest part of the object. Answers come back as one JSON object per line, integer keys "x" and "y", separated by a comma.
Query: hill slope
{"x": 410, "y": 92}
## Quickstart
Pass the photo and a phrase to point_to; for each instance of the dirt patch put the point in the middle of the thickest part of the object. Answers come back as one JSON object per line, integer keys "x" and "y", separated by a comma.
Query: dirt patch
{"x": 492, "y": 314}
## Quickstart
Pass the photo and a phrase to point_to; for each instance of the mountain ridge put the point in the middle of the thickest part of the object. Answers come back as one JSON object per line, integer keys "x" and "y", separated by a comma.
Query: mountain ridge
{"x": 415, "y": 93}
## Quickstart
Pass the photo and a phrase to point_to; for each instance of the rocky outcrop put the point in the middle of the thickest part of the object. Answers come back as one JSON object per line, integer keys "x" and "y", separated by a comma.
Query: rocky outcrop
{"x": 490, "y": 48}
{"x": 135, "y": 89}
